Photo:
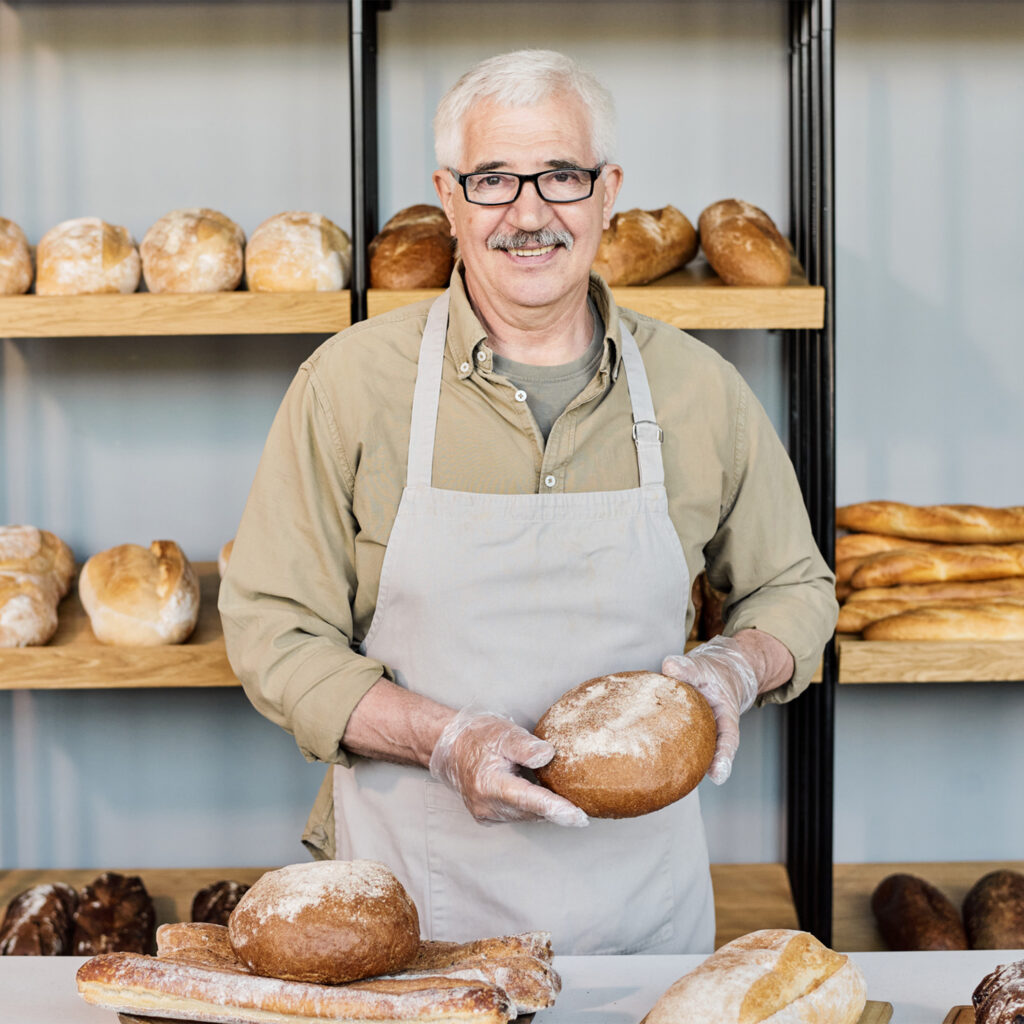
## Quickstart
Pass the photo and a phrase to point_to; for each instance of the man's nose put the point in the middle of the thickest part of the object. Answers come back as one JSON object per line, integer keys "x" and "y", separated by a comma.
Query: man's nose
{"x": 529, "y": 211}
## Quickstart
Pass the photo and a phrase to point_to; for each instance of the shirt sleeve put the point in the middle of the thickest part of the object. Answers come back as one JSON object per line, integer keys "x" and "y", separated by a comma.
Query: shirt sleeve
{"x": 286, "y": 597}
{"x": 764, "y": 556}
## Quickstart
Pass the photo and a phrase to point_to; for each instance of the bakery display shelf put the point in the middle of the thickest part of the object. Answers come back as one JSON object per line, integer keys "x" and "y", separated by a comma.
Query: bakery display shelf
{"x": 691, "y": 298}
{"x": 949, "y": 661}
{"x": 747, "y": 896}
{"x": 854, "y": 928}
{"x": 145, "y": 314}
{"x": 75, "y": 660}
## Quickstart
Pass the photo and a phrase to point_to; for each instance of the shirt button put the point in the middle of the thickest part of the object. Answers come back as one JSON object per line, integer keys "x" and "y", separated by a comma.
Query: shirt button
{"x": 520, "y": 395}
{"x": 549, "y": 480}
{"x": 464, "y": 368}
{"x": 481, "y": 356}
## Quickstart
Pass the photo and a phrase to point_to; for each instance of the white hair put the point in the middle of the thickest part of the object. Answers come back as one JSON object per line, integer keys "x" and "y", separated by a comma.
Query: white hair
{"x": 522, "y": 78}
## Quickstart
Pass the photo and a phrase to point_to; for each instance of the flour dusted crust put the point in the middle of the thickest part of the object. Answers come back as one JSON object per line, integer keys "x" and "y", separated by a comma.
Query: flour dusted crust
{"x": 743, "y": 245}
{"x": 327, "y": 921}
{"x": 298, "y": 251}
{"x": 138, "y": 596}
{"x": 39, "y": 921}
{"x": 641, "y": 245}
{"x": 193, "y": 250}
{"x": 999, "y": 997}
{"x": 30, "y": 551}
{"x": 627, "y": 744}
{"x": 15, "y": 259}
{"x": 86, "y": 256}
{"x": 778, "y": 976}
{"x": 115, "y": 913}
{"x": 413, "y": 250}
{"x": 28, "y": 610}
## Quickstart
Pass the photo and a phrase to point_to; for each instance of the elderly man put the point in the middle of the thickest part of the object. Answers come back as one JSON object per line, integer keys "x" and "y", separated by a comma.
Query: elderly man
{"x": 468, "y": 506}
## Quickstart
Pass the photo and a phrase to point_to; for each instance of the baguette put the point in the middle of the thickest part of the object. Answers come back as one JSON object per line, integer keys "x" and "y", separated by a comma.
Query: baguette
{"x": 743, "y": 245}
{"x": 860, "y": 545}
{"x": 981, "y": 621}
{"x": 641, "y": 245}
{"x": 950, "y": 524}
{"x": 855, "y": 616}
{"x": 940, "y": 562}
{"x": 983, "y": 590}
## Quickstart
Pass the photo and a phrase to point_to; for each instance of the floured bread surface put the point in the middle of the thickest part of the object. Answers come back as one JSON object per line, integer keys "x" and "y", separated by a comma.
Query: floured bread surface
{"x": 87, "y": 256}
{"x": 298, "y": 252}
{"x": 193, "y": 250}
{"x": 326, "y": 921}
{"x": 140, "y": 596}
{"x": 627, "y": 744}
{"x": 15, "y": 259}
{"x": 779, "y": 976}
{"x": 28, "y": 610}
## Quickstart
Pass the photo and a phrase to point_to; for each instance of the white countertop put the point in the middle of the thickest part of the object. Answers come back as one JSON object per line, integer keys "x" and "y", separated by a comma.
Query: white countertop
{"x": 597, "y": 990}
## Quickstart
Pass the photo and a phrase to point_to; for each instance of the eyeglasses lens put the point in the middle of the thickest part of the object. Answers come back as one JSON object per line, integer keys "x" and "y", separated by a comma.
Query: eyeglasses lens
{"x": 559, "y": 186}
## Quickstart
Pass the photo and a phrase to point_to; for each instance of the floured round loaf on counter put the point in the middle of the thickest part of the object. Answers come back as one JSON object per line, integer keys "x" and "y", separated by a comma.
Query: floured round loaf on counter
{"x": 327, "y": 922}
{"x": 15, "y": 259}
{"x": 193, "y": 250}
{"x": 775, "y": 974}
{"x": 627, "y": 744}
{"x": 298, "y": 251}
{"x": 87, "y": 256}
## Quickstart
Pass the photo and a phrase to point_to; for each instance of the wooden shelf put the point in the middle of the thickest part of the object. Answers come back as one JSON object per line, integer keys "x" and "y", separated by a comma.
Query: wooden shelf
{"x": 690, "y": 298}
{"x": 75, "y": 660}
{"x": 953, "y": 661}
{"x": 854, "y": 928}
{"x": 141, "y": 314}
{"x": 747, "y": 896}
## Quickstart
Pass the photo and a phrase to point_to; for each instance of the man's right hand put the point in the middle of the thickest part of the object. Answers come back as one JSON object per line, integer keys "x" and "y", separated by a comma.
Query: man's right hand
{"x": 479, "y": 755}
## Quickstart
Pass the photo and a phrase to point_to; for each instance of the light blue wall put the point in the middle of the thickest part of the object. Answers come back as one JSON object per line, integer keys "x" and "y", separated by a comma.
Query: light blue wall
{"x": 127, "y": 111}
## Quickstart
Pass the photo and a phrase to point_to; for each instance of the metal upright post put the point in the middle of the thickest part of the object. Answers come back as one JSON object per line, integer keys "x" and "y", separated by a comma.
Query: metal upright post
{"x": 810, "y": 733}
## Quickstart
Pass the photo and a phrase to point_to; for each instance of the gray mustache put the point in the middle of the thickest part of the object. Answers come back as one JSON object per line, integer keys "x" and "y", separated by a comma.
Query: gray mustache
{"x": 530, "y": 239}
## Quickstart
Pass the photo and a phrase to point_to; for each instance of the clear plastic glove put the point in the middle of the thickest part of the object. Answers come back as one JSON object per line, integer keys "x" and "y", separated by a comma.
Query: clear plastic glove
{"x": 479, "y": 753}
{"x": 720, "y": 671}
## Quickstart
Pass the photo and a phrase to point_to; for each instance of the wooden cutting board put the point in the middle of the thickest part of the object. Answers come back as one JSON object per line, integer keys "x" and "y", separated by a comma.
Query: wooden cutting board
{"x": 960, "y": 1015}
{"x": 877, "y": 1013}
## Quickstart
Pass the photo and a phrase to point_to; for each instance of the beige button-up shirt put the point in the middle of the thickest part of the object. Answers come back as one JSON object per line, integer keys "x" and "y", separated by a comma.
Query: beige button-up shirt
{"x": 301, "y": 587}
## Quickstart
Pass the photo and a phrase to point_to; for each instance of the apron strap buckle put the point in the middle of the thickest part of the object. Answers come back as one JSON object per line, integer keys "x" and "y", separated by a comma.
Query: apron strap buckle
{"x": 659, "y": 435}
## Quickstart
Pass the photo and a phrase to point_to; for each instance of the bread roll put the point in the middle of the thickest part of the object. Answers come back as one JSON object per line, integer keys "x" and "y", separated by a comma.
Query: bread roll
{"x": 913, "y": 914}
{"x": 39, "y": 922}
{"x": 743, "y": 245}
{"x": 413, "y": 250}
{"x": 999, "y": 997}
{"x": 948, "y": 524}
{"x": 940, "y": 562}
{"x": 776, "y": 975}
{"x": 213, "y": 903}
{"x": 855, "y": 616}
{"x": 115, "y": 913}
{"x": 641, "y": 245}
{"x": 327, "y": 922}
{"x": 26, "y": 550}
{"x": 988, "y": 620}
{"x": 86, "y": 256}
{"x": 193, "y": 250}
{"x": 298, "y": 252}
{"x": 994, "y": 911}
{"x": 138, "y": 596}
{"x": 15, "y": 259}
{"x": 28, "y": 611}
{"x": 978, "y": 590}
{"x": 627, "y": 744}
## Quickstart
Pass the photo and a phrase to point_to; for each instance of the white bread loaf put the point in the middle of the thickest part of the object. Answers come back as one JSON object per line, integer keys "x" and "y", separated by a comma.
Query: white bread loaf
{"x": 15, "y": 259}
{"x": 87, "y": 256}
{"x": 413, "y": 250}
{"x": 298, "y": 252}
{"x": 642, "y": 245}
{"x": 774, "y": 975}
{"x": 193, "y": 250}
{"x": 28, "y": 610}
{"x": 138, "y": 596}
{"x": 27, "y": 550}
{"x": 743, "y": 245}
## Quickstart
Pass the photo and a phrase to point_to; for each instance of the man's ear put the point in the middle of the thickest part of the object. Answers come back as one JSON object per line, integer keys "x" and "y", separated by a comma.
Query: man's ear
{"x": 444, "y": 185}
{"x": 612, "y": 176}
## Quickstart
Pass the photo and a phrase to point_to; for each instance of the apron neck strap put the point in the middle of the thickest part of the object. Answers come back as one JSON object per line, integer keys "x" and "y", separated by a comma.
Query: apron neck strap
{"x": 647, "y": 435}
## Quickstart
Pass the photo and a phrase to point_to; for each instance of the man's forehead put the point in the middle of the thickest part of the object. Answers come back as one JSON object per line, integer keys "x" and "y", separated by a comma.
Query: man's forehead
{"x": 554, "y": 164}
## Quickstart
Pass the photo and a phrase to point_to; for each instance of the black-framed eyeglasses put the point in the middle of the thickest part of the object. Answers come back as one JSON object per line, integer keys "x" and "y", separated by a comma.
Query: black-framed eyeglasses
{"x": 499, "y": 188}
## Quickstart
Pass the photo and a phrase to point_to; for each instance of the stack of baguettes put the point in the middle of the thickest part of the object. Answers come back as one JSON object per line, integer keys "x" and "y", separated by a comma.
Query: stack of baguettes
{"x": 930, "y": 572}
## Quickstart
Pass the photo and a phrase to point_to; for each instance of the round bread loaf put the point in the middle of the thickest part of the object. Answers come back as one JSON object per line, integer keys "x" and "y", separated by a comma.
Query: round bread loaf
{"x": 627, "y": 744}
{"x": 327, "y": 922}
{"x": 32, "y": 552}
{"x": 298, "y": 252}
{"x": 115, "y": 913}
{"x": 642, "y": 245}
{"x": 39, "y": 921}
{"x": 743, "y": 245}
{"x": 140, "y": 596}
{"x": 413, "y": 250}
{"x": 28, "y": 610}
{"x": 86, "y": 256}
{"x": 15, "y": 259}
{"x": 193, "y": 250}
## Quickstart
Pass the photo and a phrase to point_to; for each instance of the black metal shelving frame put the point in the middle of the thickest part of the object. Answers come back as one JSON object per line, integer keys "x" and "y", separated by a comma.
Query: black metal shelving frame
{"x": 810, "y": 355}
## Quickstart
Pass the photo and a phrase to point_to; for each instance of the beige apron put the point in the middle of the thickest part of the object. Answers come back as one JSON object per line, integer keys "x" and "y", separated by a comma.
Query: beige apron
{"x": 505, "y": 601}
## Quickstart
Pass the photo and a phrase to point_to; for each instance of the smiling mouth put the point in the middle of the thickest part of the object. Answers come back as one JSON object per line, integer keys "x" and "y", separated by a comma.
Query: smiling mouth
{"x": 543, "y": 250}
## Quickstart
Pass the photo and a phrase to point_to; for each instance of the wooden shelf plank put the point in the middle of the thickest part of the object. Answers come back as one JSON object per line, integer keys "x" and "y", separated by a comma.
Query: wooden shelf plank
{"x": 74, "y": 659}
{"x": 141, "y": 314}
{"x": 690, "y": 298}
{"x": 953, "y": 661}
{"x": 747, "y": 896}
{"x": 853, "y": 925}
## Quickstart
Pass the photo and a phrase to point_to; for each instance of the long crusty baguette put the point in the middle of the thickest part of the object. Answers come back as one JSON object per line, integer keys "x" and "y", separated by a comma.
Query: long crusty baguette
{"x": 976, "y": 590}
{"x": 942, "y": 562}
{"x": 174, "y": 988}
{"x": 639, "y": 246}
{"x": 985, "y": 621}
{"x": 950, "y": 524}
{"x": 855, "y": 616}
{"x": 777, "y": 975}
{"x": 860, "y": 545}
